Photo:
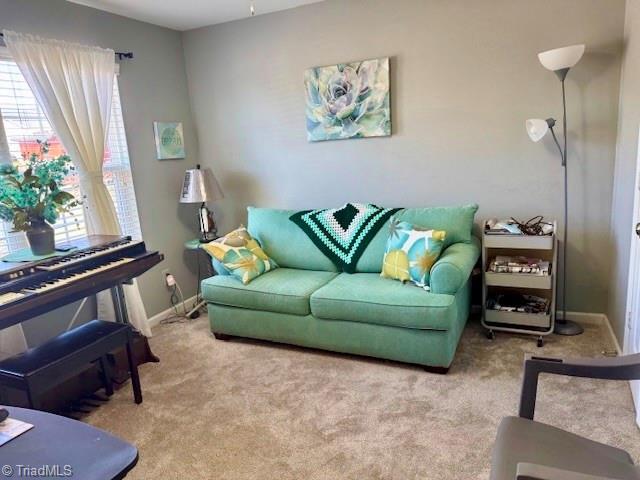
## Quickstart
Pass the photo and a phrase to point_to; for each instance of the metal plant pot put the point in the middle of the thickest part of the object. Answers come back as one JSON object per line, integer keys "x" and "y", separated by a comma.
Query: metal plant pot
{"x": 41, "y": 238}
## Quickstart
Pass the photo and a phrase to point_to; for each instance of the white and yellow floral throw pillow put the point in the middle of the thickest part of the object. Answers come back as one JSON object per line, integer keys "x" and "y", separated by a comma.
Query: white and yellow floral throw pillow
{"x": 241, "y": 254}
{"x": 411, "y": 252}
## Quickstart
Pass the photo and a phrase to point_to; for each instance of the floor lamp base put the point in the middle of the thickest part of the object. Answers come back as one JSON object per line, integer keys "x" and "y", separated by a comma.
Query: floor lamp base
{"x": 567, "y": 327}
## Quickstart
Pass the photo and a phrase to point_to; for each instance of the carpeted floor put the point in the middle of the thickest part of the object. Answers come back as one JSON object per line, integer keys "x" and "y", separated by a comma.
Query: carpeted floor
{"x": 250, "y": 410}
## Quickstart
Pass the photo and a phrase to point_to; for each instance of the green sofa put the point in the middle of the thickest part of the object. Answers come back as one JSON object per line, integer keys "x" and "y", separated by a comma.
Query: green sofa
{"x": 307, "y": 302}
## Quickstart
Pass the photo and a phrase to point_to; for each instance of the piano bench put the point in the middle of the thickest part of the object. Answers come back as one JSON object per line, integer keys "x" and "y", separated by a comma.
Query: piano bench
{"x": 45, "y": 366}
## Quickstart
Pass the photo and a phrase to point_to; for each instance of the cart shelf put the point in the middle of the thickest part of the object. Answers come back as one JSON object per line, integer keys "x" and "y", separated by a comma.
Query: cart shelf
{"x": 518, "y": 280}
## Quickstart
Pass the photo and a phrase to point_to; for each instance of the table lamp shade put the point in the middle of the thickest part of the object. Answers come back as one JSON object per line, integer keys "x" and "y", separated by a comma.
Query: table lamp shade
{"x": 200, "y": 186}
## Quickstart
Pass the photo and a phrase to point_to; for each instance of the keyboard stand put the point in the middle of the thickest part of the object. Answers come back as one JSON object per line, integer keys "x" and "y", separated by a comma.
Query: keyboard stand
{"x": 120, "y": 308}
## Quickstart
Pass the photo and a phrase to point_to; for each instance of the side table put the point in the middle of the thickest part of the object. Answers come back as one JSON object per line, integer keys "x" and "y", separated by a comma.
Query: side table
{"x": 196, "y": 246}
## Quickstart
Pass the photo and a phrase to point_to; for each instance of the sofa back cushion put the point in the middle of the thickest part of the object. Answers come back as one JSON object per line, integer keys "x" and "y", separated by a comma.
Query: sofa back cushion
{"x": 290, "y": 247}
{"x": 456, "y": 221}
{"x": 285, "y": 242}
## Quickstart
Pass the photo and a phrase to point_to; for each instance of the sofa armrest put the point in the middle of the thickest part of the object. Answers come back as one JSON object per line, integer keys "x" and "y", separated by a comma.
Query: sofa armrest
{"x": 531, "y": 471}
{"x": 453, "y": 268}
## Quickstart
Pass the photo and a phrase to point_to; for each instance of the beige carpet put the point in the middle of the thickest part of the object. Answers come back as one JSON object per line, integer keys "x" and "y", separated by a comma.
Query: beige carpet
{"x": 250, "y": 410}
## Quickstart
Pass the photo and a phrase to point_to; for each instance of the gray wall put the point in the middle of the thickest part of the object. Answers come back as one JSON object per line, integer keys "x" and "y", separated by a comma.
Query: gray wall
{"x": 625, "y": 168}
{"x": 153, "y": 87}
{"x": 464, "y": 78}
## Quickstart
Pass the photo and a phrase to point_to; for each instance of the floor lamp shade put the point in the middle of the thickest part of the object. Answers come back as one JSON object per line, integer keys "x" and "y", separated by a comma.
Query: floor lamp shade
{"x": 561, "y": 58}
{"x": 536, "y": 128}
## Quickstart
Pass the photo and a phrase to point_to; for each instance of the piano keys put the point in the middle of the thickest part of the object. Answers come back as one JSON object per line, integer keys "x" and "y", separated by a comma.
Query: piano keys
{"x": 87, "y": 254}
{"x": 10, "y": 297}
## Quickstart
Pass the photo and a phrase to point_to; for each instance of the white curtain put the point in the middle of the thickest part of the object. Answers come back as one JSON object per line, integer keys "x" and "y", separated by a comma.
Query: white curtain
{"x": 12, "y": 339}
{"x": 74, "y": 86}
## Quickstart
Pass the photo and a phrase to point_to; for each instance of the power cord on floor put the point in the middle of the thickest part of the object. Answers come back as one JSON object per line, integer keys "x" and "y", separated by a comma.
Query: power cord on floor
{"x": 178, "y": 297}
{"x": 177, "y": 301}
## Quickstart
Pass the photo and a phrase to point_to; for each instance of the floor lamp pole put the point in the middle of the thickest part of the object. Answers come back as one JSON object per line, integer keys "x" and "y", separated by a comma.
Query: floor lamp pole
{"x": 564, "y": 326}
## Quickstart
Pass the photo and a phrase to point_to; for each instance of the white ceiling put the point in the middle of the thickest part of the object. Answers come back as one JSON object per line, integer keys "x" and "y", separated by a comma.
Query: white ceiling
{"x": 188, "y": 14}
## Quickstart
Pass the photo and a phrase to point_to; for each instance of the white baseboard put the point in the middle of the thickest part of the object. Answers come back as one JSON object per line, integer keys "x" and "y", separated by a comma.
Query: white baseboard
{"x": 589, "y": 318}
{"x": 159, "y": 317}
{"x": 614, "y": 339}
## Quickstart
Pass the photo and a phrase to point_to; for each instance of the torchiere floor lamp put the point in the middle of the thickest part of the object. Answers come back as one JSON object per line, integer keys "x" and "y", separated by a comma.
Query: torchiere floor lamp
{"x": 559, "y": 61}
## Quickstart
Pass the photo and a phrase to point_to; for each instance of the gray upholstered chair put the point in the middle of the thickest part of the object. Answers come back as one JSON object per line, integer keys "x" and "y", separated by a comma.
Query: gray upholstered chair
{"x": 528, "y": 450}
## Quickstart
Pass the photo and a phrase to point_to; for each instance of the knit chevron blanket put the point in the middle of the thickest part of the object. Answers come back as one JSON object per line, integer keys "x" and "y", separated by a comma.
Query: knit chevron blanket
{"x": 343, "y": 234}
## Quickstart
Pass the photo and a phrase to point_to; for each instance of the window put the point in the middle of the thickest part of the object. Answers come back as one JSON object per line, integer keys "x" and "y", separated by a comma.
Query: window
{"x": 25, "y": 123}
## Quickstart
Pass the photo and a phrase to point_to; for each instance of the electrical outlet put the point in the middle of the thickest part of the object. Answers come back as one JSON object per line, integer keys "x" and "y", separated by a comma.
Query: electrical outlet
{"x": 167, "y": 277}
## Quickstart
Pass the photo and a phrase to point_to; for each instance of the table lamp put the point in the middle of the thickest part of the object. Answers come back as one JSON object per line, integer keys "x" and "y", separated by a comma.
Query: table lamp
{"x": 559, "y": 61}
{"x": 200, "y": 186}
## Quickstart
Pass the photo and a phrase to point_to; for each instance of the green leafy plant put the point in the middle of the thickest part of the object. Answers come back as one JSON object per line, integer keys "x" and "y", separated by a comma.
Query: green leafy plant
{"x": 32, "y": 194}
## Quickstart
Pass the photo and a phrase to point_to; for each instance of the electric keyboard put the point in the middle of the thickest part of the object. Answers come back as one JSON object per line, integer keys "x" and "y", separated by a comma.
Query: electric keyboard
{"x": 98, "y": 262}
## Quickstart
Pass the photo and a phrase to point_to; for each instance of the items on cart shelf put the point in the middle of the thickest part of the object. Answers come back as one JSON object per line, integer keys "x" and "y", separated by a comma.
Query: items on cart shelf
{"x": 518, "y": 302}
{"x": 511, "y": 226}
{"x": 494, "y": 226}
{"x": 507, "y": 264}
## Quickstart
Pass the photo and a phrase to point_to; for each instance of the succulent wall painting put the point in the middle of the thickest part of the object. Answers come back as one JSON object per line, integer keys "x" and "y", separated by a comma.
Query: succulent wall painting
{"x": 348, "y": 100}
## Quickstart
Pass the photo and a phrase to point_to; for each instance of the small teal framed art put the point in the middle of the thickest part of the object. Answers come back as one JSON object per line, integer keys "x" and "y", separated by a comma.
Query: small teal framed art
{"x": 169, "y": 140}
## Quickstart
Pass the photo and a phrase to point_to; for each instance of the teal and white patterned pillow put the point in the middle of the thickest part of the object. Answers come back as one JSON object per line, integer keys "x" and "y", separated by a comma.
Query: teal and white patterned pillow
{"x": 411, "y": 252}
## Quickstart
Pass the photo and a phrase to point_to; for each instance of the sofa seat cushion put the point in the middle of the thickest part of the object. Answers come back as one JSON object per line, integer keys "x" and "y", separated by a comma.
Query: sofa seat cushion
{"x": 368, "y": 298}
{"x": 283, "y": 290}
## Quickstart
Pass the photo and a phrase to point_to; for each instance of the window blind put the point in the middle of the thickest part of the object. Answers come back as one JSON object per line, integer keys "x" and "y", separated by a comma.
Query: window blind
{"x": 25, "y": 124}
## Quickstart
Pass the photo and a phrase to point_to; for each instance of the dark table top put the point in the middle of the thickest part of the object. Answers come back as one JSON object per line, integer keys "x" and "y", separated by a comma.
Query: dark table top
{"x": 68, "y": 448}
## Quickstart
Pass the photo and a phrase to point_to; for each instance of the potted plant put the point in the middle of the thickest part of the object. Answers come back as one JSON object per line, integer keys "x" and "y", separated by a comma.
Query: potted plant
{"x": 31, "y": 198}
